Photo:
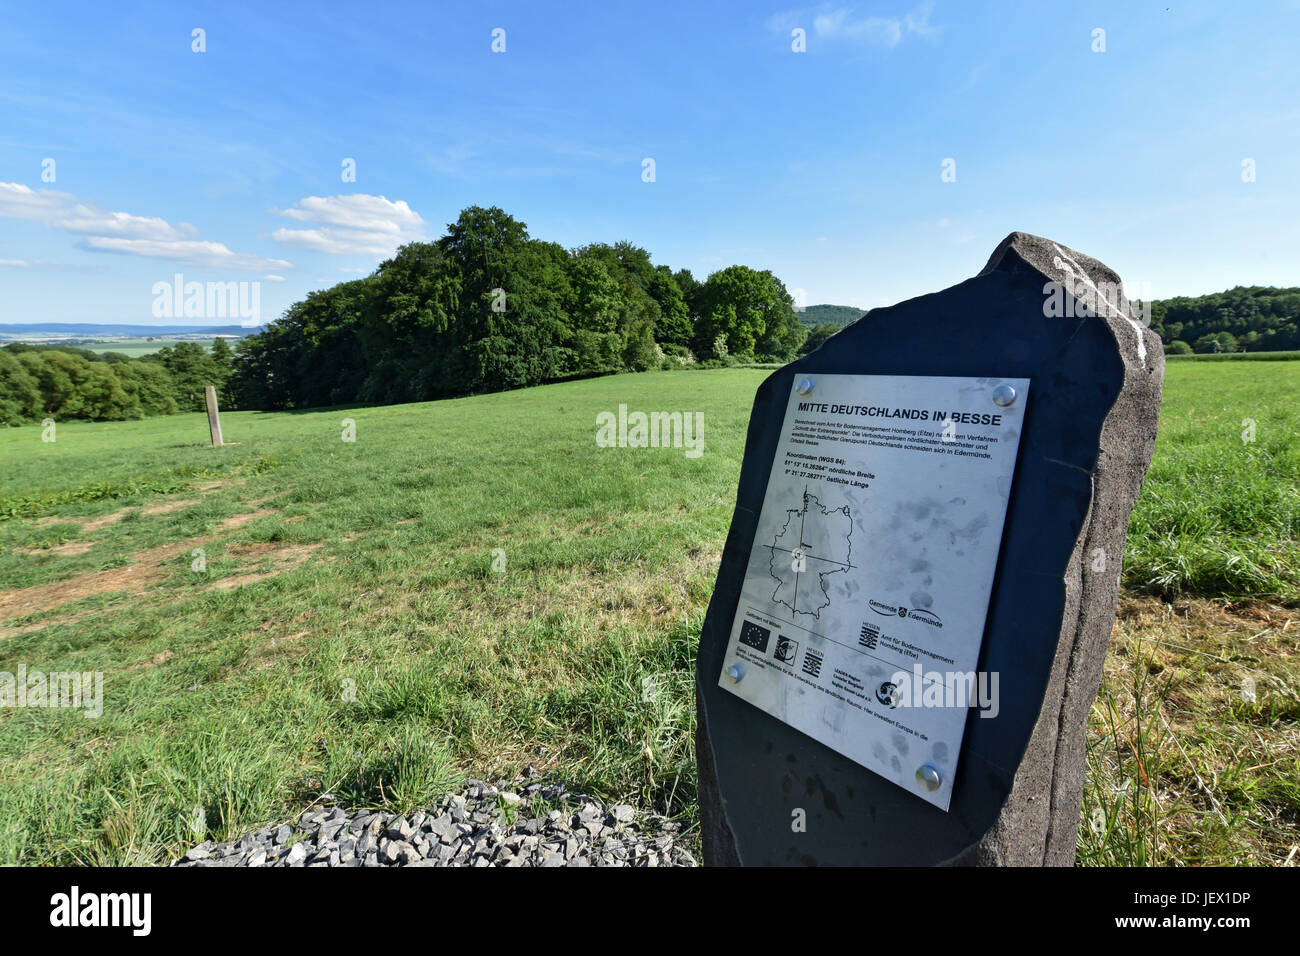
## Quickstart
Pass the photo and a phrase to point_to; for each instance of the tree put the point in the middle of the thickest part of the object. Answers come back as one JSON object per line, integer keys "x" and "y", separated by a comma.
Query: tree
{"x": 488, "y": 307}
{"x": 192, "y": 369}
{"x": 1221, "y": 342}
{"x": 74, "y": 387}
{"x": 1262, "y": 317}
{"x": 20, "y": 392}
{"x": 507, "y": 309}
{"x": 690, "y": 287}
{"x": 674, "y": 326}
{"x": 817, "y": 336}
{"x": 149, "y": 387}
{"x": 594, "y": 305}
{"x": 752, "y": 310}
{"x": 1178, "y": 347}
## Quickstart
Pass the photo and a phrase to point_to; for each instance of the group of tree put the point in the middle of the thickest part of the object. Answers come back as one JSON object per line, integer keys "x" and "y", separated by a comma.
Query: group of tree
{"x": 486, "y": 307}
{"x": 835, "y": 316}
{"x": 62, "y": 383}
{"x": 1244, "y": 319}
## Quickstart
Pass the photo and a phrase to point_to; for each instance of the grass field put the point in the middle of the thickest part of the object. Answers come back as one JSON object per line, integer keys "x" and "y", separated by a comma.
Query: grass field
{"x": 295, "y": 613}
{"x": 136, "y": 347}
{"x": 131, "y": 346}
{"x": 1237, "y": 357}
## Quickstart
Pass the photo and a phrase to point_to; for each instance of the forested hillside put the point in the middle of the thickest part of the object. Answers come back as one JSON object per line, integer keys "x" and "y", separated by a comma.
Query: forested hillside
{"x": 836, "y": 315}
{"x": 1247, "y": 318}
{"x": 487, "y": 307}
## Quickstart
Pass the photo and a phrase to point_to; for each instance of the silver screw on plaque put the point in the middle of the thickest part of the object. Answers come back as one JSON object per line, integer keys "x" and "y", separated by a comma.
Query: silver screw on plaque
{"x": 1003, "y": 396}
{"x": 736, "y": 672}
{"x": 927, "y": 775}
{"x": 805, "y": 386}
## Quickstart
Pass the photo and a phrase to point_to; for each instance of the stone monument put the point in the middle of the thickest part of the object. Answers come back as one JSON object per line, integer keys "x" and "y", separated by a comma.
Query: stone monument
{"x": 920, "y": 580}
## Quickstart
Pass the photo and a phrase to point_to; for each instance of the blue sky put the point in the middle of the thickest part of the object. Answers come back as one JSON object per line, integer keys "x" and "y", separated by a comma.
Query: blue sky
{"x": 823, "y": 166}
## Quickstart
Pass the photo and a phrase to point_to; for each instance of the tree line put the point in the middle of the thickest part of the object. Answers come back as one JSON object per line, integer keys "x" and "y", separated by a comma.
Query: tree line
{"x": 486, "y": 307}
{"x": 1244, "y": 319}
{"x": 62, "y": 382}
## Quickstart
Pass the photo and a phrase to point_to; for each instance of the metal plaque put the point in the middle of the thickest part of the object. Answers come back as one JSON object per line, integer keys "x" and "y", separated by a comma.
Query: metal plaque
{"x": 862, "y": 612}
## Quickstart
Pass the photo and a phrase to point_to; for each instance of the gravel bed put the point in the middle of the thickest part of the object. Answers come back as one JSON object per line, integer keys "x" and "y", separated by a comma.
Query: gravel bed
{"x": 526, "y": 824}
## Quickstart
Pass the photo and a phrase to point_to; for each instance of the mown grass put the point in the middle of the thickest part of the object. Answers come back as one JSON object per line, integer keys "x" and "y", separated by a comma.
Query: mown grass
{"x": 1194, "y": 745}
{"x": 371, "y": 649}
{"x": 1284, "y": 356}
{"x": 1219, "y": 514}
{"x": 394, "y": 659}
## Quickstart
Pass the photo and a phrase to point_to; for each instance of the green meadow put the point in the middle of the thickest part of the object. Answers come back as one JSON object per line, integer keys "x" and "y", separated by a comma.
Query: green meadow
{"x": 472, "y": 586}
{"x": 133, "y": 347}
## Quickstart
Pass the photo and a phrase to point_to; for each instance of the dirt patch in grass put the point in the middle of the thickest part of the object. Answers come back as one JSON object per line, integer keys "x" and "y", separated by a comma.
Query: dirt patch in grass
{"x": 162, "y": 507}
{"x": 144, "y": 572}
{"x": 47, "y": 522}
{"x": 41, "y": 625}
{"x": 137, "y": 578}
{"x": 207, "y": 487}
{"x": 104, "y": 520}
{"x": 162, "y": 657}
{"x": 166, "y": 507}
{"x": 238, "y": 521}
{"x": 68, "y": 549}
{"x": 283, "y": 558}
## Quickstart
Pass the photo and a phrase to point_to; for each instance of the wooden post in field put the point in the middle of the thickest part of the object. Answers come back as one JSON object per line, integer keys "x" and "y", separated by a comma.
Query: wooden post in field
{"x": 214, "y": 420}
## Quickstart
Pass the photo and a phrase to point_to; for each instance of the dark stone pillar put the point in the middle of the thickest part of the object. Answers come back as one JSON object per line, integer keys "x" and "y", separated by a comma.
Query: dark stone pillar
{"x": 1088, "y": 434}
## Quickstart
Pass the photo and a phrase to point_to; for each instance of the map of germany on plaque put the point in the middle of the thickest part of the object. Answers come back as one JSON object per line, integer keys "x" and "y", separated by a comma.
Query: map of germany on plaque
{"x": 864, "y": 601}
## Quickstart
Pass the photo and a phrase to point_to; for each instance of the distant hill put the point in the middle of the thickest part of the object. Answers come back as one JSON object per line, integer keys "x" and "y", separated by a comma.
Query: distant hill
{"x": 840, "y": 315}
{"x": 96, "y": 330}
{"x": 110, "y": 329}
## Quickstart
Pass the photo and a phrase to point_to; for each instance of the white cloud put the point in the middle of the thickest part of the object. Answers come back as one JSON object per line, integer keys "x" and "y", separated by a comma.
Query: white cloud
{"x": 357, "y": 224}
{"x": 22, "y": 202}
{"x": 198, "y": 252}
{"x": 122, "y": 232}
{"x": 89, "y": 221}
{"x": 15, "y": 263}
{"x": 272, "y": 278}
{"x": 830, "y": 23}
